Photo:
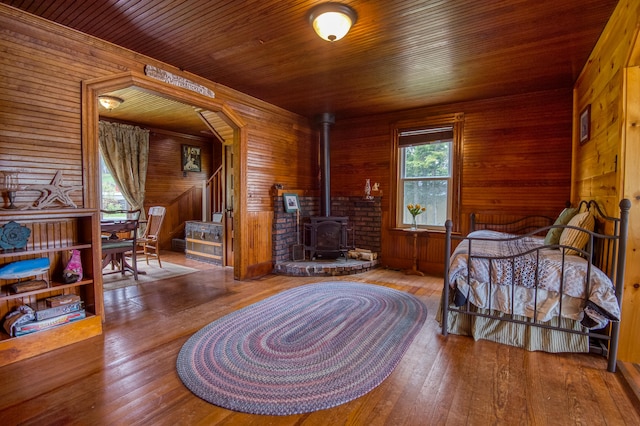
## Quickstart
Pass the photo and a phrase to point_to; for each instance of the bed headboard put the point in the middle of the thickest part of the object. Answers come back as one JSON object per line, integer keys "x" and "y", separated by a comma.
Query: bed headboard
{"x": 512, "y": 223}
{"x": 509, "y": 223}
{"x": 609, "y": 254}
{"x": 607, "y": 235}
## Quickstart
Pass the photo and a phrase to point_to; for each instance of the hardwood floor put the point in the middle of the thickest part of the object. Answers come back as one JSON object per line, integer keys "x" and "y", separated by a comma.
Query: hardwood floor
{"x": 128, "y": 375}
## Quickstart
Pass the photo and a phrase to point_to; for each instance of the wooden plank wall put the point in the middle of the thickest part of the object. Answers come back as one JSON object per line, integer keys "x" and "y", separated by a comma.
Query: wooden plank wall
{"x": 279, "y": 150}
{"x": 169, "y": 187}
{"x": 604, "y": 169}
{"x": 40, "y": 108}
{"x": 260, "y": 243}
{"x": 516, "y": 160}
{"x": 165, "y": 179}
{"x": 43, "y": 65}
{"x": 596, "y": 173}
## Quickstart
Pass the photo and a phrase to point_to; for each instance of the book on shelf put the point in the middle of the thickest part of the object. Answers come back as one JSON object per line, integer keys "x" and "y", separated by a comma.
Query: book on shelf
{"x": 61, "y": 299}
{"x": 24, "y": 286}
{"x": 43, "y": 311}
{"x": 34, "y": 326}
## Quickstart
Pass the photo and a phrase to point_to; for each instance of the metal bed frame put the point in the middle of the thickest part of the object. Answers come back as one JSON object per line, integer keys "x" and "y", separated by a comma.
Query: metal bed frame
{"x": 606, "y": 249}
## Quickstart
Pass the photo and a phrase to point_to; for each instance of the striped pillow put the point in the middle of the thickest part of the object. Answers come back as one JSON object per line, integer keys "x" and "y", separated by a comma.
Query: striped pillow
{"x": 574, "y": 237}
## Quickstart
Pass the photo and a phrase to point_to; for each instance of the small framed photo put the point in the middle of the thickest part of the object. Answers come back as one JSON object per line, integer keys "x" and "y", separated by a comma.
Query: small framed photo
{"x": 191, "y": 160}
{"x": 585, "y": 124}
{"x": 291, "y": 203}
{"x": 216, "y": 217}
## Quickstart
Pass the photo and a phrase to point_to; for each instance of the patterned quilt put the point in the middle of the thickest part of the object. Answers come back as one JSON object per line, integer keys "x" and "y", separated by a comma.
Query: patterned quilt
{"x": 538, "y": 280}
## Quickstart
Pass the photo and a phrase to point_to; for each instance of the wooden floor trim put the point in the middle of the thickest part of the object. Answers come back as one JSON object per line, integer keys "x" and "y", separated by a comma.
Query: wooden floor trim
{"x": 631, "y": 373}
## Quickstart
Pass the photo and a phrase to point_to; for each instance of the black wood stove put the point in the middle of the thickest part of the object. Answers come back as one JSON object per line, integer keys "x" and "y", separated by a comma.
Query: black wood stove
{"x": 327, "y": 237}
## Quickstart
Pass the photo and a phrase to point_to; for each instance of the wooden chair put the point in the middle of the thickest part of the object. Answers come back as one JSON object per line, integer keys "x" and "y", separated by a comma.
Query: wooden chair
{"x": 149, "y": 241}
{"x": 119, "y": 237}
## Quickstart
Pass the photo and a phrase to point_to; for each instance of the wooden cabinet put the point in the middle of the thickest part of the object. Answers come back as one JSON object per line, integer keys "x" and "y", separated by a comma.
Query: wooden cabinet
{"x": 54, "y": 234}
{"x": 204, "y": 241}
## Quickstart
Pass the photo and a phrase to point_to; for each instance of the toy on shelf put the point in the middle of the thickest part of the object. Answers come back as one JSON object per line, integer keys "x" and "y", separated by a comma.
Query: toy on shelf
{"x": 25, "y": 269}
{"x": 73, "y": 271}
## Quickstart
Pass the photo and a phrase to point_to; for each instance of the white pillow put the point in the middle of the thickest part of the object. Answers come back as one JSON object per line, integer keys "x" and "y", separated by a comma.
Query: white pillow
{"x": 574, "y": 237}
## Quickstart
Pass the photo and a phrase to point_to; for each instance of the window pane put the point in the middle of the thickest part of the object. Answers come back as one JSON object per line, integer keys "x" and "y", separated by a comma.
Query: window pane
{"x": 428, "y": 160}
{"x": 112, "y": 198}
{"x": 431, "y": 194}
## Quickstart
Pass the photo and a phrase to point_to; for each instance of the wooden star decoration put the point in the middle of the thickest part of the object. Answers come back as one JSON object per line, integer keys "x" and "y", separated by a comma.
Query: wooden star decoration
{"x": 53, "y": 192}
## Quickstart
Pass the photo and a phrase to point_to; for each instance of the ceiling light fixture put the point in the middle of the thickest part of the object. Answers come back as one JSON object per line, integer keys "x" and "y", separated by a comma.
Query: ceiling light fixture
{"x": 332, "y": 21}
{"x": 110, "y": 102}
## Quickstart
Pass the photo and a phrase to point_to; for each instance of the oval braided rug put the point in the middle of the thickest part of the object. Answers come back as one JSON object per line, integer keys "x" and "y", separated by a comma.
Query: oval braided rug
{"x": 305, "y": 349}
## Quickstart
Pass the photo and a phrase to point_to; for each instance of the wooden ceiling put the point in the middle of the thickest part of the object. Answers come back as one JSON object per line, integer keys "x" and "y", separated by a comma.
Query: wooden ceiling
{"x": 157, "y": 112}
{"x": 399, "y": 55}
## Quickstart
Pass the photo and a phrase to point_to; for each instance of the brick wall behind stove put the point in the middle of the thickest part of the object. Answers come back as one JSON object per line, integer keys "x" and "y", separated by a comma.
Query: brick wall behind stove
{"x": 284, "y": 226}
{"x": 365, "y": 218}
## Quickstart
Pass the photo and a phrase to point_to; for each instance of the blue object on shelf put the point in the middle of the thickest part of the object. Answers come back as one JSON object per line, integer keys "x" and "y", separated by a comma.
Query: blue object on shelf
{"x": 25, "y": 268}
{"x": 14, "y": 236}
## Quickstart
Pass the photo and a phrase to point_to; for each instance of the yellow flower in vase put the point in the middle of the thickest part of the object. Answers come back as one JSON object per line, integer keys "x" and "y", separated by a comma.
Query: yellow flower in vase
{"x": 415, "y": 210}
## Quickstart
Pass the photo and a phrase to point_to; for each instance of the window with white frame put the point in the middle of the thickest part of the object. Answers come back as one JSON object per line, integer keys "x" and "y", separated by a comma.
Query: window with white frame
{"x": 427, "y": 176}
{"x": 111, "y": 197}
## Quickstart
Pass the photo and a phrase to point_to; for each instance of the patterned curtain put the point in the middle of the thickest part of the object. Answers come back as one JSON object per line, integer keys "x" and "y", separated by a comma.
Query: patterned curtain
{"x": 125, "y": 150}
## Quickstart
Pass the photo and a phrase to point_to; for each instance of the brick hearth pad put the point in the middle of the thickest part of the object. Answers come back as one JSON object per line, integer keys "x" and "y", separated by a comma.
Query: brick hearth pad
{"x": 324, "y": 268}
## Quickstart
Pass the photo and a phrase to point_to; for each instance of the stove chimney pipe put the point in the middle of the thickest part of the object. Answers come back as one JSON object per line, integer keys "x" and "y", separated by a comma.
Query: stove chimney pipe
{"x": 325, "y": 120}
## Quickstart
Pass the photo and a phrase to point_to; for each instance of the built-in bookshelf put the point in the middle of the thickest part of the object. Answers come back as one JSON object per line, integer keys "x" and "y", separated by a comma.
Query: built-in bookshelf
{"x": 54, "y": 234}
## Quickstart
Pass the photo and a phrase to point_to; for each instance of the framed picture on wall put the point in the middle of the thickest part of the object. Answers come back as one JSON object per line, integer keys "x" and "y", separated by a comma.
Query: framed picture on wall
{"x": 585, "y": 124}
{"x": 191, "y": 160}
{"x": 291, "y": 203}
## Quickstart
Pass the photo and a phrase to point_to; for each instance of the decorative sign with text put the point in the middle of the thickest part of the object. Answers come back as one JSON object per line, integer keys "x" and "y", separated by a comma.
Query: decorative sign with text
{"x": 167, "y": 77}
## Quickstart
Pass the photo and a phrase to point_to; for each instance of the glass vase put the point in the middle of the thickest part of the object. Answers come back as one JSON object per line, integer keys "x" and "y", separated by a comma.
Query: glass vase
{"x": 367, "y": 189}
{"x": 414, "y": 225}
